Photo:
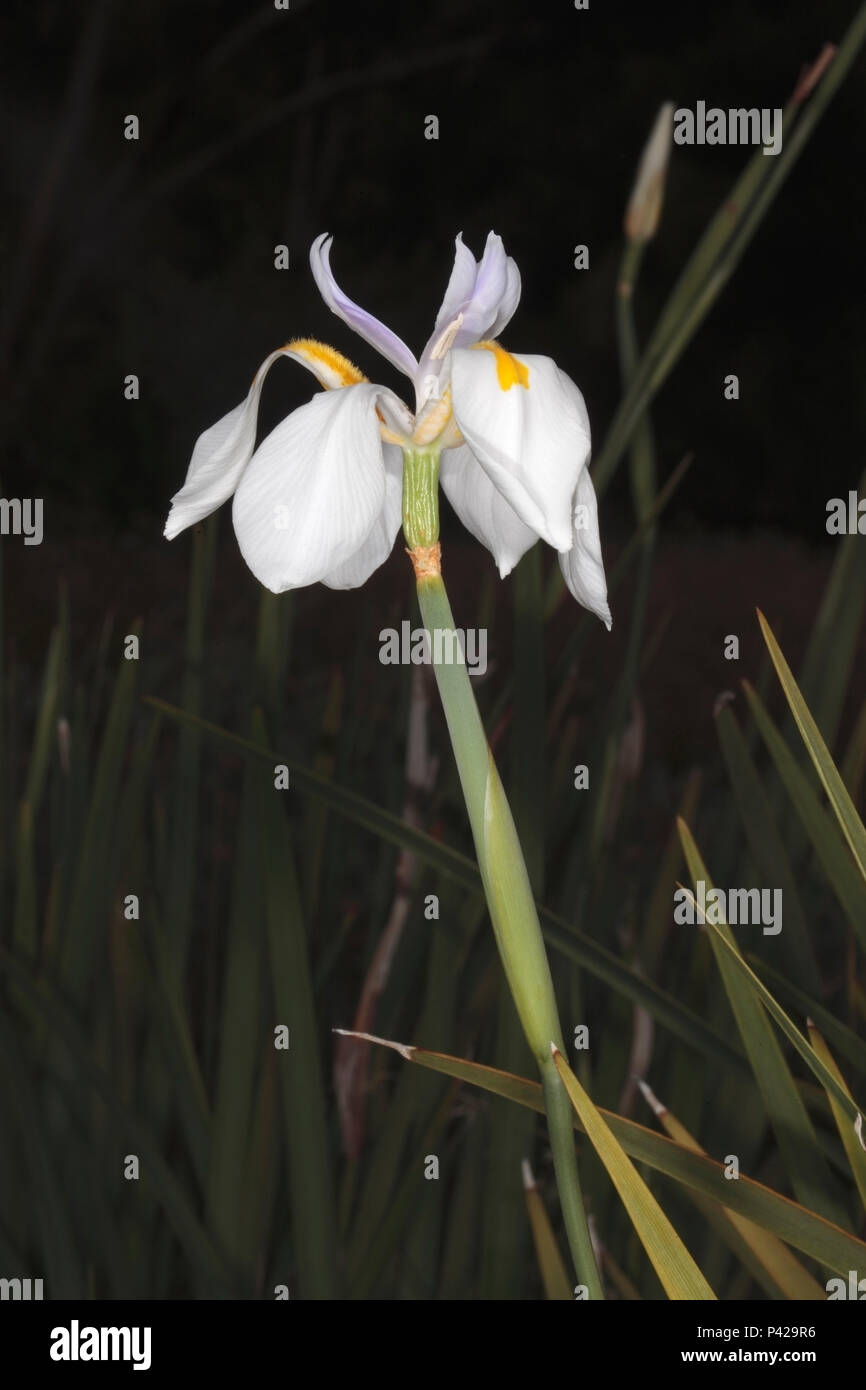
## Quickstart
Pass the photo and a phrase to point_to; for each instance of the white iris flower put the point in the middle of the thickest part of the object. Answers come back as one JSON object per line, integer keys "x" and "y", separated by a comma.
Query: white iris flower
{"x": 320, "y": 499}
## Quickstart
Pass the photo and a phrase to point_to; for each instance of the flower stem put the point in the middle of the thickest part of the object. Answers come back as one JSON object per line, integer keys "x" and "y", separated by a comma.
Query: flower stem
{"x": 512, "y": 911}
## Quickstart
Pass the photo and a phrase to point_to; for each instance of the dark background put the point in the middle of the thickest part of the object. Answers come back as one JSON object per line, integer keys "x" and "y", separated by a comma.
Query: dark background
{"x": 261, "y": 127}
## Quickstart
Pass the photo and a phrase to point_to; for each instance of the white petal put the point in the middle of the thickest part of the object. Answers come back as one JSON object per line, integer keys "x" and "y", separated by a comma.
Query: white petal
{"x": 219, "y": 458}
{"x": 313, "y": 491}
{"x": 378, "y": 546}
{"x": 532, "y": 440}
{"x": 483, "y": 509}
{"x": 582, "y": 567}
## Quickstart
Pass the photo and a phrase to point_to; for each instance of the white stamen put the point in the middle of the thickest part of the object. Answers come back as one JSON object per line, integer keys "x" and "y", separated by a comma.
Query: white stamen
{"x": 445, "y": 340}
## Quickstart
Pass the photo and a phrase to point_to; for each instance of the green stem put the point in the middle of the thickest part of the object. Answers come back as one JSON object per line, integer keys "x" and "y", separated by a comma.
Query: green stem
{"x": 512, "y": 911}
{"x": 421, "y": 497}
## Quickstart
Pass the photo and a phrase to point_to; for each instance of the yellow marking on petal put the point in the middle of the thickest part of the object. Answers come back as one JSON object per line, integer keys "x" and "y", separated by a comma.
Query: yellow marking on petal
{"x": 510, "y": 371}
{"x": 330, "y": 367}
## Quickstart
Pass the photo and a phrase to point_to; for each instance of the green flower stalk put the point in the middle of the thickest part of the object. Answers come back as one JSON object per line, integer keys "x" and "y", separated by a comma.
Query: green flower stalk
{"x": 500, "y": 858}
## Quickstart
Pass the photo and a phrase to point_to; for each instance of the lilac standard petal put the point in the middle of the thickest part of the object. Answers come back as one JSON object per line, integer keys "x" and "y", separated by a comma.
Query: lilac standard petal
{"x": 364, "y": 324}
{"x": 480, "y": 300}
{"x": 509, "y": 301}
{"x": 491, "y": 283}
{"x": 460, "y": 286}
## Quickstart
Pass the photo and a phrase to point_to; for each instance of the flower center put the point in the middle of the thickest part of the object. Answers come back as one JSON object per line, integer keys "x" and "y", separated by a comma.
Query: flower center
{"x": 431, "y": 421}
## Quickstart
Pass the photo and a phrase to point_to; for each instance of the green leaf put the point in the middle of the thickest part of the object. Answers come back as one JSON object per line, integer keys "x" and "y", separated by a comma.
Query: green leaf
{"x": 843, "y": 807}
{"x": 560, "y": 934}
{"x": 805, "y": 1230}
{"x": 830, "y": 849}
{"x": 793, "y": 1128}
{"x": 849, "y": 1133}
{"x": 554, "y": 1277}
{"x": 677, "y": 1271}
{"x": 773, "y": 1264}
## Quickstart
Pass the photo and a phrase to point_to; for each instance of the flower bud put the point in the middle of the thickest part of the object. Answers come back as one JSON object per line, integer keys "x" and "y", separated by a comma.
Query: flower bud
{"x": 645, "y": 204}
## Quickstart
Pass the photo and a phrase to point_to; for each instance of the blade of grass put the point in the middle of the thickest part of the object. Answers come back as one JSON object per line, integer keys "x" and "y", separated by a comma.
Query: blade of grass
{"x": 837, "y": 793}
{"x": 765, "y": 842}
{"x": 677, "y": 1271}
{"x": 777, "y": 1268}
{"x": 795, "y": 1224}
{"x": 844, "y": 1039}
{"x": 795, "y": 1136}
{"x": 551, "y": 1265}
{"x": 847, "y": 1132}
{"x": 574, "y": 944}
{"x": 824, "y": 1075}
{"x": 823, "y": 833}
{"x": 299, "y": 1066}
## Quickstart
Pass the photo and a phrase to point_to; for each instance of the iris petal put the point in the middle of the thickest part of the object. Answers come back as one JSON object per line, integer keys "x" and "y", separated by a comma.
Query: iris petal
{"x": 219, "y": 458}
{"x": 483, "y": 509}
{"x": 526, "y": 423}
{"x": 582, "y": 566}
{"x": 314, "y": 490}
{"x": 365, "y": 325}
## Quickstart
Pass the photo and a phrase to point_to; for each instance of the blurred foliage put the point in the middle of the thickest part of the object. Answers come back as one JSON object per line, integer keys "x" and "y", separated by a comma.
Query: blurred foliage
{"x": 263, "y": 127}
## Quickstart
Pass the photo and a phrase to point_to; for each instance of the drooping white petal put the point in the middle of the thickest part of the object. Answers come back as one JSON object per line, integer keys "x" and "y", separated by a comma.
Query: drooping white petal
{"x": 582, "y": 566}
{"x": 483, "y": 509}
{"x": 375, "y": 550}
{"x": 527, "y": 425}
{"x": 219, "y": 458}
{"x": 333, "y": 370}
{"x": 313, "y": 491}
{"x": 365, "y": 325}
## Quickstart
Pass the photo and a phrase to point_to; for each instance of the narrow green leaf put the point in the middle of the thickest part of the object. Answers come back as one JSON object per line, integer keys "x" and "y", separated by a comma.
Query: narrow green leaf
{"x": 766, "y": 844}
{"x": 823, "y": 832}
{"x": 806, "y": 1231}
{"x": 776, "y": 1268}
{"x": 554, "y": 1276}
{"x": 560, "y": 934}
{"x": 791, "y": 1124}
{"x": 299, "y": 1067}
{"x": 843, "y": 807}
{"x": 849, "y": 1133}
{"x": 677, "y": 1271}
